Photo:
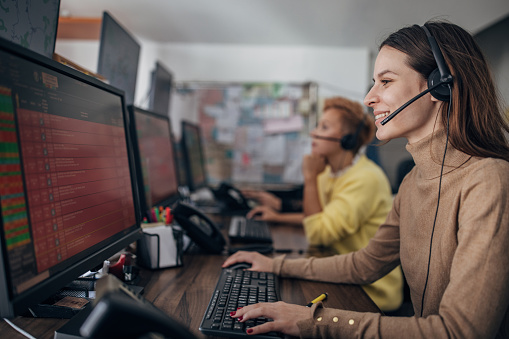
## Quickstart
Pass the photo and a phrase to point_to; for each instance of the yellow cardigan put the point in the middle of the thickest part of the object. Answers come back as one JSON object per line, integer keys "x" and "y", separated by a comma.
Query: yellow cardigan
{"x": 354, "y": 204}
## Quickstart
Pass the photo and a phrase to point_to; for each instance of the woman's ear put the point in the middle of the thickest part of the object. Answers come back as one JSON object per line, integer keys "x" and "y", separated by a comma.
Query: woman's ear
{"x": 434, "y": 99}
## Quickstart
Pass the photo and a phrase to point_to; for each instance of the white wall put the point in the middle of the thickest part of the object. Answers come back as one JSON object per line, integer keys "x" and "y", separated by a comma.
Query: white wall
{"x": 341, "y": 71}
{"x": 338, "y": 71}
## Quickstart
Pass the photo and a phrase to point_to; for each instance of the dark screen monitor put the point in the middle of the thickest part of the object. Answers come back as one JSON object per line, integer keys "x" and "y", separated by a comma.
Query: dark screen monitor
{"x": 194, "y": 157}
{"x": 119, "y": 54}
{"x": 31, "y": 24}
{"x": 160, "y": 91}
{"x": 155, "y": 158}
{"x": 67, "y": 201}
{"x": 181, "y": 166}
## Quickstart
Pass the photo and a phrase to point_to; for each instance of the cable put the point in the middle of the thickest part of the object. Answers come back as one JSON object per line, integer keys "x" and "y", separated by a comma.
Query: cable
{"x": 438, "y": 200}
{"x": 26, "y": 334}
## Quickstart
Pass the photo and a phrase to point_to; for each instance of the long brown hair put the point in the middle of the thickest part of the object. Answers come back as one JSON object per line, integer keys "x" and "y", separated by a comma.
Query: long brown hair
{"x": 476, "y": 124}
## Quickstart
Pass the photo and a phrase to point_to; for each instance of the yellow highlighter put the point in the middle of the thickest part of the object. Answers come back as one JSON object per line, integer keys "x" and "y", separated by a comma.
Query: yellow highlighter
{"x": 321, "y": 297}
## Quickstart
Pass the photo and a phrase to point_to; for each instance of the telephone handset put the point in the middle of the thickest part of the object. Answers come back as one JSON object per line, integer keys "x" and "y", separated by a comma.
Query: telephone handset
{"x": 231, "y": 196}
{"x": 118, "y": 313}
{"x": 199, "y": 227}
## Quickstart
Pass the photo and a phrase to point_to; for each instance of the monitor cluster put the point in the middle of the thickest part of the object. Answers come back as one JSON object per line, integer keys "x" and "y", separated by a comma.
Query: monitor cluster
{"x": 81, "y": 165}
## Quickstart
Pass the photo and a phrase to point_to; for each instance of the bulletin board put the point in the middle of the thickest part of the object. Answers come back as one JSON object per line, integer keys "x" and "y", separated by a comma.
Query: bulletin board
{"x": 253, "y": 133}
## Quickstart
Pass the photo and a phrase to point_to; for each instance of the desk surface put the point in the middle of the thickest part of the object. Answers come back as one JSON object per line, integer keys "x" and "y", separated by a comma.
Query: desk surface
{"x": 184, "y": 292}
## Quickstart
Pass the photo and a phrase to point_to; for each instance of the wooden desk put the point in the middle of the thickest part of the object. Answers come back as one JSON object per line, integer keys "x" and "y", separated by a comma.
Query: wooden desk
{"x": 184, "y": 292}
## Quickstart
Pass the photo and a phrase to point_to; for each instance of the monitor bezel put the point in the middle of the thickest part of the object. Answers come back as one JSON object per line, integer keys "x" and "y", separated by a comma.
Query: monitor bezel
{"x": 193, "y": 186}
{"x": 168, "y": 201}
{"x": 100, "y": 61}
{"x": 16, "y": 305}
{"x": 153, "y": 92}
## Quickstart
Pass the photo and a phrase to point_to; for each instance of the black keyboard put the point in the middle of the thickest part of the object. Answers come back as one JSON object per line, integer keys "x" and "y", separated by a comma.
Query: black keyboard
{"x": 239, "y": 288}
{"x": 249, "y": 230}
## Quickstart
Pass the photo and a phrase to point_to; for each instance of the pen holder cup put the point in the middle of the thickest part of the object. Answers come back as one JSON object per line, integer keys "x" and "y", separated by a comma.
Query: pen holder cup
{"x": 160, "y": 247}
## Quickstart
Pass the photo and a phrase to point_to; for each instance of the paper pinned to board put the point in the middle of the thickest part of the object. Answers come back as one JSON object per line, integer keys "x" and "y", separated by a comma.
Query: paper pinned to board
{"x": 294, "y": 123}
{"x": 274, "y": 147}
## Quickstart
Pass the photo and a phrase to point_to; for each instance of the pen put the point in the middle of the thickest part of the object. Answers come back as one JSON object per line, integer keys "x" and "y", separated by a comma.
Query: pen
{"x": 321, "y": 297}
{"x": 156, "y": 213}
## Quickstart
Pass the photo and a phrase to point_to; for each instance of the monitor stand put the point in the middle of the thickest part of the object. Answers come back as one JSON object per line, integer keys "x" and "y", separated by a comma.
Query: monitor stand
{"x": 71, "y": 329}
{"x": 67, "y": 302}
{"x": 71, "y": 300}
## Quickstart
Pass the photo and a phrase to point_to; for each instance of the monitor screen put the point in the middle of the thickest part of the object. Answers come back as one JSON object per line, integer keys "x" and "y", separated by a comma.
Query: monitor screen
{"x": 118, "y": 57}
{"x": 181, "y": 166}
{"x": 66, "y": 197}
{"x": 193, "y": 156}
{"x": 31, "y": 24}
{"x": 160, "y": 91}
{"x": 155, "y": 157}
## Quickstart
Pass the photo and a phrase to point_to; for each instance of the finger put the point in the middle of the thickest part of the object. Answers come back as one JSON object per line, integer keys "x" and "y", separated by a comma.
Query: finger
{"x": 250, "y": 214}
{"x": 251, "y": 194}
{"x": 265, "y": 310}
{"x": 235, "y": 258}
{"x": 253, "y": 212}
{"x": 240, "y": 312}
{"x": 269, "y": 326}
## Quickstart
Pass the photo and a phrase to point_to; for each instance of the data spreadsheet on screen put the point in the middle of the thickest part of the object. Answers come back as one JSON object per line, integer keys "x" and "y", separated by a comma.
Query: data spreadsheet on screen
{"x": 66, "y": 186}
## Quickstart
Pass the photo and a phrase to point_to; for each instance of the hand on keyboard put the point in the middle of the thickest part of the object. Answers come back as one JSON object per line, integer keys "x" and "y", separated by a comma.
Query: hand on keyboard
{"x": 237, "y": 288}
{"x": 258, "y": 261}
{"x": 285, "y": 317}
{"x": 264, "y": 213}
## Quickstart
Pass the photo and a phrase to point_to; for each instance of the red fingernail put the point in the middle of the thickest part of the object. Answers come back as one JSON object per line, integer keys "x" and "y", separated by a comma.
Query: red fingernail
{"x": 232, "y": 313}
{"x": 240, "y": 318}
{"x": 249, "y": 330}
{"x": 239, "y": 308}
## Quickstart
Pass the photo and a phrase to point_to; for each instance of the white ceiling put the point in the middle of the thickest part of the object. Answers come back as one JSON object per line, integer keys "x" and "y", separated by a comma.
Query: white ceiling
{"x": 337, "y": 23}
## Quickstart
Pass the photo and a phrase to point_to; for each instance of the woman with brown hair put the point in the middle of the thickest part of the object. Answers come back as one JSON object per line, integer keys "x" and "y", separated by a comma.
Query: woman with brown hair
{"x": 449, "y": 226}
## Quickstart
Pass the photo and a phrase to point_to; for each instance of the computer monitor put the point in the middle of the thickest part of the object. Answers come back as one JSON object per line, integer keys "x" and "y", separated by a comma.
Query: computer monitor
{"x": 119, "y": 54}
{"x": 66, "y": 195}
{"x": 193, "y": 156}
{"x": 160, "y": 91}
{"x": 181, "y": 165}
{"x": 155, "y": 158}
{"x": 31, "y": 24}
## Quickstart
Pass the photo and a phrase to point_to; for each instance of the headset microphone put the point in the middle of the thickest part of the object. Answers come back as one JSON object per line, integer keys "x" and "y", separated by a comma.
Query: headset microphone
{"x": 325, "y": 138}
{"x": 396, "y": 112}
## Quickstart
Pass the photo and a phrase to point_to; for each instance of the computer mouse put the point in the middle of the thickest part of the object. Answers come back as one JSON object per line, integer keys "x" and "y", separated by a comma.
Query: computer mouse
{"x": 240, "y": 266}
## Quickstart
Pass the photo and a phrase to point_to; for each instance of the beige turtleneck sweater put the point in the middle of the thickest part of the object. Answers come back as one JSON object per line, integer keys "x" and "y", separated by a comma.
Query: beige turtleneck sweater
{"x": 467, "y": 295}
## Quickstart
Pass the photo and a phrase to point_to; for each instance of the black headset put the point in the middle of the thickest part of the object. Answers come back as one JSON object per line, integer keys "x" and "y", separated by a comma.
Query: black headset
{"x": 441, "y": 74}
{"x": 350, "y": 141}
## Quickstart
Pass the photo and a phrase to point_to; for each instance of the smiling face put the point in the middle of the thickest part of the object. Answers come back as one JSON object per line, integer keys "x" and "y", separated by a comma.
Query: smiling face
{"x": 395, "y": 82}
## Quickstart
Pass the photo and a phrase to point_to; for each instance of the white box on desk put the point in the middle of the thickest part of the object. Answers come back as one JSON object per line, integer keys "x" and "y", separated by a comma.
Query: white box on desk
{"x": 160, "y": 247}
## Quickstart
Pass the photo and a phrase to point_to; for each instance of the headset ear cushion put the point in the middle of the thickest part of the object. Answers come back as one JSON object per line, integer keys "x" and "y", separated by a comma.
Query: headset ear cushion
{"x": 348, "y": 142}
{"x": 441, "y": 92}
